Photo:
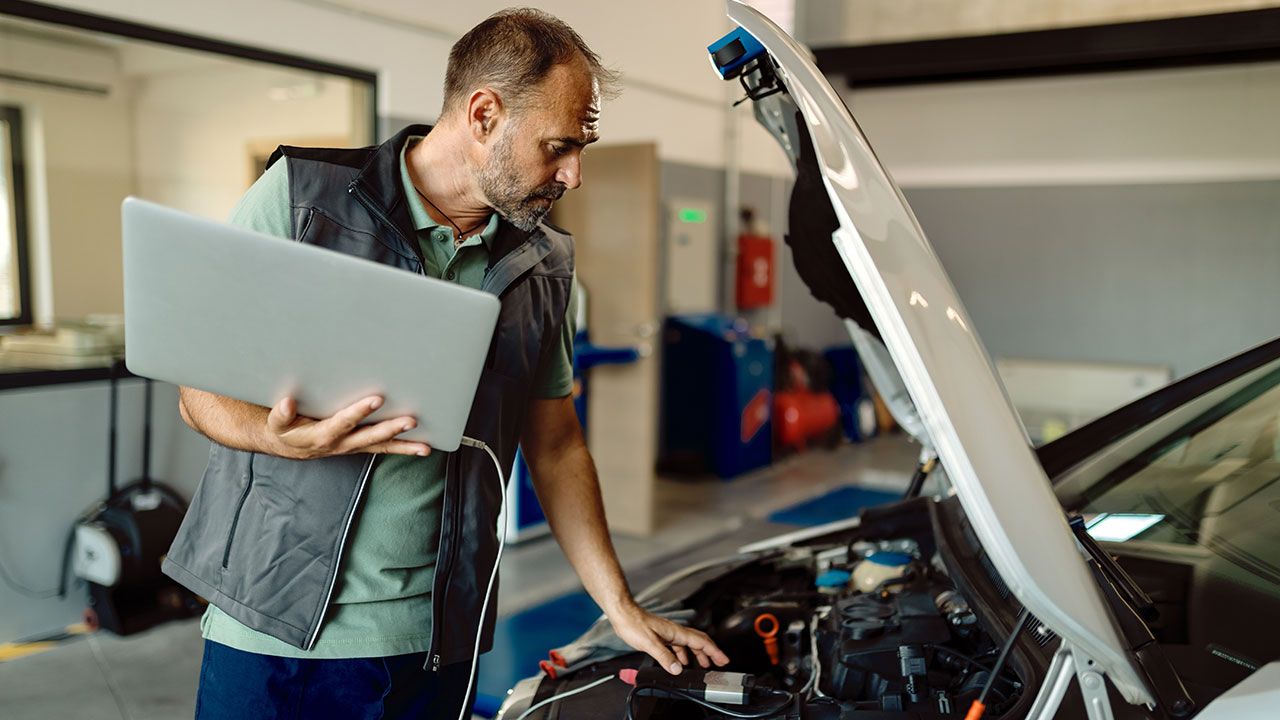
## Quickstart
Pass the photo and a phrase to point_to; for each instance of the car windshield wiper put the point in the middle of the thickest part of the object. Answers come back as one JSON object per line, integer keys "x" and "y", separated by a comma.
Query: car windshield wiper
{"x": 1134, "y": 596}
{"x": 1133, "y": 608}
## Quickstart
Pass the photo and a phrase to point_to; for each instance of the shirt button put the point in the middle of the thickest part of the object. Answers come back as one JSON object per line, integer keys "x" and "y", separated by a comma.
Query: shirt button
{"x": 449, "y": 275}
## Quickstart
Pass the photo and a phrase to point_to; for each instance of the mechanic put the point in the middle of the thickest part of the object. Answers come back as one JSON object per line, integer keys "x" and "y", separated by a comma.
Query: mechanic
{"x": 330, "y": 601}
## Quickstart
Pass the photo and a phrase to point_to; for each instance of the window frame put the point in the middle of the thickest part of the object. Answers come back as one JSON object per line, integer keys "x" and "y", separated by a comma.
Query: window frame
{"x": 11, "y": 117}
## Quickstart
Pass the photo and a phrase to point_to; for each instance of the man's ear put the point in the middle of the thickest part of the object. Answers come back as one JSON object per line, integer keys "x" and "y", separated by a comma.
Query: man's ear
{"x": 484, "y": 112}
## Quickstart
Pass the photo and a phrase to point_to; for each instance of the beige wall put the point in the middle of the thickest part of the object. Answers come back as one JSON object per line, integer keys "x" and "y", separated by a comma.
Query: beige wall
{"x": 824, "y": 23}
{"x": 202, "y": 124}
{"x": 79, "y": 148}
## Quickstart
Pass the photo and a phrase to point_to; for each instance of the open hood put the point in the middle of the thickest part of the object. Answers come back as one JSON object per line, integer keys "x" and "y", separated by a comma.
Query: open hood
{"x": 859, "y": 247}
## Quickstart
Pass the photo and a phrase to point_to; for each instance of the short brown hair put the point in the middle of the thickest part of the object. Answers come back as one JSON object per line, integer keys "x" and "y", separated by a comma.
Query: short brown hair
{"x": 512, "y": 51}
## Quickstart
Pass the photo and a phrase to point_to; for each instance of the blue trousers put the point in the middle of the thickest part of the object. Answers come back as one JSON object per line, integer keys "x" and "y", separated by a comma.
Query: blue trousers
{"x": 238, "y": 685}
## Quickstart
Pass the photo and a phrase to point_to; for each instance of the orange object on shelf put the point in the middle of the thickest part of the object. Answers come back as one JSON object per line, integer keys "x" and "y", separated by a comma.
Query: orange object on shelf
{"x": 767, "y": 628}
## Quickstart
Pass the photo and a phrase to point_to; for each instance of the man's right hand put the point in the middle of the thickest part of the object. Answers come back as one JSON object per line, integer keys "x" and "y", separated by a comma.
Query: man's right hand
{"x": 303, "y": 438}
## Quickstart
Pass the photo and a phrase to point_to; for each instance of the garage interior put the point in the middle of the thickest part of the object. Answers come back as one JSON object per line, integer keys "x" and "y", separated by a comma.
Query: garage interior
{"x": 1098, "y": 179}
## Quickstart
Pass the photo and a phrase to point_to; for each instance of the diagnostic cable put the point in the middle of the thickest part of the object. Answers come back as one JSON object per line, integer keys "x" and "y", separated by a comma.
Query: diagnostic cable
{"x": 465, "y": 711}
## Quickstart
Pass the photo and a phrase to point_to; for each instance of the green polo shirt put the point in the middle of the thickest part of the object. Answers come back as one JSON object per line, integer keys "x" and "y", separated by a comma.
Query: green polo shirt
{"x": 382, "y": 604}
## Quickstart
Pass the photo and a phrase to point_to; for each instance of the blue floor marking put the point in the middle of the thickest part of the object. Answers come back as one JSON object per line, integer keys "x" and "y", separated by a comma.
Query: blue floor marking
{"x": 522, "y": 639}
{"x": 841, "y": 503}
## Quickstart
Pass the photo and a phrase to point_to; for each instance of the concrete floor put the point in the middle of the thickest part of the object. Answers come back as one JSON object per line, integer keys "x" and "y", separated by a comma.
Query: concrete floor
{"x": 152, "y": 675}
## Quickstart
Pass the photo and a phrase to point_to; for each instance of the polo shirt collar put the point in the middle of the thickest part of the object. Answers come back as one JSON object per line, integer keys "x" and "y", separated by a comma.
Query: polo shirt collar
{"x": 418, "y": 209}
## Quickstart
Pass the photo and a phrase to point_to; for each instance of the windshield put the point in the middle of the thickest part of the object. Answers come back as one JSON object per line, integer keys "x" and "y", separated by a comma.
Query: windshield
{"x": 1211, "y": 482}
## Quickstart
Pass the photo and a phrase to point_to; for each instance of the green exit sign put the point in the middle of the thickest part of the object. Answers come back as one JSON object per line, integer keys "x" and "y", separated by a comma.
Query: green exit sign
{"x": 692, "y": 215}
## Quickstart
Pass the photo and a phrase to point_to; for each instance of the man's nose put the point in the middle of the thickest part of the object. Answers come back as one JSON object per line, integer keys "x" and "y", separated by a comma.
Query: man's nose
{"x": 570, "y": 172}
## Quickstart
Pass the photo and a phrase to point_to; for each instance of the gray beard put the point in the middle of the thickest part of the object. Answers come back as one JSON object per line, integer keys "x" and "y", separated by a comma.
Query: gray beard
{"x": 520, "y": 207}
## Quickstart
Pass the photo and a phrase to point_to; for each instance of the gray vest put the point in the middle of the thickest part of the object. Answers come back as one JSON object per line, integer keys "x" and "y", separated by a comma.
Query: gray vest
{"x": 264, "y": 537}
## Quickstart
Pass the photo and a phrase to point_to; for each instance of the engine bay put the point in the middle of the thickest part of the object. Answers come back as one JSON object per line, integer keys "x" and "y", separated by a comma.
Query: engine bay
{"x": 907, "y": 642}
{"x": 877, "y": 622}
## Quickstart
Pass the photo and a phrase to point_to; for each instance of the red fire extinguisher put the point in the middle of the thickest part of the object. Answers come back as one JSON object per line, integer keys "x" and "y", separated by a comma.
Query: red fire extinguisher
{"x": 755, "y": 278}
{"x": 755, "y": 271}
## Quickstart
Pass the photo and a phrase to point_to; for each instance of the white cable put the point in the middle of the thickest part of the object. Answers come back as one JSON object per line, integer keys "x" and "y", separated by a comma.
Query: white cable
{"x": 465, "y": 712}
{"x": 816, "y": 675}
{"x": 561, "y": 696}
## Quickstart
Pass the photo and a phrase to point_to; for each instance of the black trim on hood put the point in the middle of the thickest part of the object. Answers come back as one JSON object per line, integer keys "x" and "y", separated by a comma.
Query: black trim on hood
{"x": 811, "y": 220}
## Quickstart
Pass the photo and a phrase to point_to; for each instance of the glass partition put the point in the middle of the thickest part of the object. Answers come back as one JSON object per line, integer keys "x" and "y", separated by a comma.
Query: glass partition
{"x": 99, "y": 115}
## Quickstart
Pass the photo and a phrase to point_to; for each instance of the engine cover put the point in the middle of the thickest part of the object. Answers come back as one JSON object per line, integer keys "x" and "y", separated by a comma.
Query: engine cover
{"x": 874, "y": 645}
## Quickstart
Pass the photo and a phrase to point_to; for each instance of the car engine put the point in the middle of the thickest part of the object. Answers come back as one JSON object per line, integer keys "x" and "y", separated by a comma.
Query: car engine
{"x": 868, "y": 626}
{"x": 855, "y": 625}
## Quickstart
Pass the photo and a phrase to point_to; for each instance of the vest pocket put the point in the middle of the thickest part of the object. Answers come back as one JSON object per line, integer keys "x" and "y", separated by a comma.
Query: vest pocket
{"x": 235, "y": 519}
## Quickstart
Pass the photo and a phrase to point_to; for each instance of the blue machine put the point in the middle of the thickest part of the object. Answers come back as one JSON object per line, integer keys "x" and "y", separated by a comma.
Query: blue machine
{"x": 525, "y": 518}
{"x": 857, "y": 410}
{"x": 717, "y": 397}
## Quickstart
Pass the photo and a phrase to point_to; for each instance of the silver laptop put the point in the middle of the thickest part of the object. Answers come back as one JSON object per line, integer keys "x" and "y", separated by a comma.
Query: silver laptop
{"x": 255, "y": 317}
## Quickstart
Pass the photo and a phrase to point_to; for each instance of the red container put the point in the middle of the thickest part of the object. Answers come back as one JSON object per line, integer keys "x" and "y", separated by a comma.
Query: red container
{"x": 755, "y": 271}
{"x": 801, "y": 416}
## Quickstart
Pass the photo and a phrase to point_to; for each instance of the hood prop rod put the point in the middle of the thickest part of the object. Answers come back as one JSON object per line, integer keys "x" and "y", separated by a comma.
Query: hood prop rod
{"x": 917, "y": 480}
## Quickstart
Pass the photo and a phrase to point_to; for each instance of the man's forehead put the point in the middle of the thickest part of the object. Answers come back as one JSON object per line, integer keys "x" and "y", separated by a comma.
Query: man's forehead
{"x": 576, "y": 122}
{"x": 570, "y": 104}
{"x": 582, "y": 137}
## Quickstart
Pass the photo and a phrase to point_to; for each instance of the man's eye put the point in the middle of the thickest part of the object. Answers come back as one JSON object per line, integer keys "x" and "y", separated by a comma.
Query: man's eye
{"x": 559, "y": 150}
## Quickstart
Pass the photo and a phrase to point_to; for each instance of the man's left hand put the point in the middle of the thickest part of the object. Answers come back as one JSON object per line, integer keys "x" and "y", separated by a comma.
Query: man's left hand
{"x": 667, "y": 642}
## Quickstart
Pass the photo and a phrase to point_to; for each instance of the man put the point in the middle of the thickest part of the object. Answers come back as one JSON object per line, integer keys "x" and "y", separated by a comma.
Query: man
{"x": 346, "y": 569}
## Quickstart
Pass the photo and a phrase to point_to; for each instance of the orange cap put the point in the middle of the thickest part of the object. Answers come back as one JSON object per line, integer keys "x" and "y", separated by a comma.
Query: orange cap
{"x": 761, "y": 619}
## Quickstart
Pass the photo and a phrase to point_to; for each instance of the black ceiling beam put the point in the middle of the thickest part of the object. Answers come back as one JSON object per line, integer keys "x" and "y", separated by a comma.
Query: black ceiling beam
{"x": 1248, "y": 36}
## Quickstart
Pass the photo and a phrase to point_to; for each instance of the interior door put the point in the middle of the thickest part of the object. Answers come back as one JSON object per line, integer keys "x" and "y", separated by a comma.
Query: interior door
{"x": 614, "y": 220}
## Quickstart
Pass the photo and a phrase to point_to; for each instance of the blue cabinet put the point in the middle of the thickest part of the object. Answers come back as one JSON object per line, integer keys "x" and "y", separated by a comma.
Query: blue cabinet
{"x": 717, "y": 397}
{"x": 525, "y": 518}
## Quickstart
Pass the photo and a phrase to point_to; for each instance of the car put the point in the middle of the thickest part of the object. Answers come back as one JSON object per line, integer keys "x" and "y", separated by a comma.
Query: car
{"x": 1129, "y": 569}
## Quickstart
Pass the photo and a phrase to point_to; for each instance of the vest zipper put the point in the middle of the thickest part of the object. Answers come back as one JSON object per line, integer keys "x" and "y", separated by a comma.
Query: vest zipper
{"x": 235, "y": 519}
{"x": 433, "y": 648}
{"x": 433, "y": 655}
{"x": 342, "y": 545}
{"x": 373, "y": 208}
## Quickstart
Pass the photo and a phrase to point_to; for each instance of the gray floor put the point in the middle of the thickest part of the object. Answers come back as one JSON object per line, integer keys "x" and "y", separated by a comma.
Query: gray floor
{"x": 152, "y": 675}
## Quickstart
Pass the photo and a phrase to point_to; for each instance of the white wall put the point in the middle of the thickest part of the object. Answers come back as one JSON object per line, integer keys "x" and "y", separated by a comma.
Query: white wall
{"x": 671, "y": 95}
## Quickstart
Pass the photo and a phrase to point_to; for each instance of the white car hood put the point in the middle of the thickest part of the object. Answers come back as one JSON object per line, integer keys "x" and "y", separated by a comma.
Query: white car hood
{"x": 958, "y": 397}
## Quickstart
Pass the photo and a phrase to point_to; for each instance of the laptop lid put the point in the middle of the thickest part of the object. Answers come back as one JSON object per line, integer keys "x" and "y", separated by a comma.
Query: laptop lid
{"x": 255, "y": 317}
